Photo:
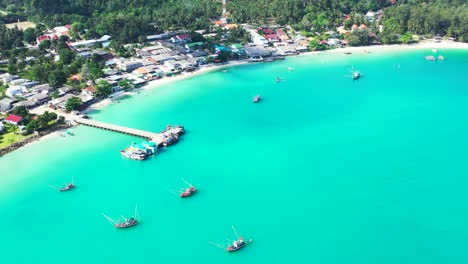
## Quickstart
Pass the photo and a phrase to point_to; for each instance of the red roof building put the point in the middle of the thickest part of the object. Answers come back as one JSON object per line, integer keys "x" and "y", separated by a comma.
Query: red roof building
{"x": 14, "y": 119}
{"x": 272, "y": 38}
{"x": 268, "y": 31}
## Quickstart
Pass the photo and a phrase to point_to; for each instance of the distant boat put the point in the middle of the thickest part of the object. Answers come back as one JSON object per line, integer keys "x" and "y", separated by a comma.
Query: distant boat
{"x": 441, "y": 57}
{"x": 69, "y": 132}
{"x": 347, "y": 53}
{"x": 224, "y": 70}
{"x": 290, "y": 69}
{"x": 434, "y": 50}
{"x": 237, "y": 244}
{"x": 257, "y": 99}
{"x": 189, "y": 191}
{"x": 278, "y": 79}
{"x": 430, "y": 58}
{"x": 132, "y": 221}
{"x": 67, "y": 187}
{"x": 356, "y": 75}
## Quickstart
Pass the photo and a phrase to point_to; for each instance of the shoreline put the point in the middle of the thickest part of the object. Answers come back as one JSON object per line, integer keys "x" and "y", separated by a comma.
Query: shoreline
{"x": 210, "y": 68}
{"x": 206, "y": 69}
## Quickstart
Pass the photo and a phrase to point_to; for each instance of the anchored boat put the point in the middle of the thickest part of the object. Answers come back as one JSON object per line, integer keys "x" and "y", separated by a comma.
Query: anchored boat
{"x": 257, "y": 99}
{"x": 356, "y": 75}
{"x": 67, "y": 187}
{"x": 185, "y": 192}
{"x": 236, "y": 244}
{"x": 124, "y": 223}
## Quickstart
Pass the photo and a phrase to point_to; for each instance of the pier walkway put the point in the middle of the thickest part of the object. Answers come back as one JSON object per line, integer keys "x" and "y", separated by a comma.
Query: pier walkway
{"x": 157, "y": 138}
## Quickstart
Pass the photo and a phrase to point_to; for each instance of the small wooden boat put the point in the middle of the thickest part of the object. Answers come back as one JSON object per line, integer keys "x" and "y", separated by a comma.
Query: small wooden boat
{"x": 126, "y": 223}
{"x": 347, "y": 53}
{"x": 257, "y": 99}
{"x": 188, "y": 192}
{"x": 236, "y": 244}
{"x": 356, "y": 75}
{"x": 69, "y": 187}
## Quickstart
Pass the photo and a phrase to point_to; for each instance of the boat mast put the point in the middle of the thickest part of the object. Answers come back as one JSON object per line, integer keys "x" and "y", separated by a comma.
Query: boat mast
{"x": 136, "y": 213}
{"x": 54, "y": 187}
{"x": 112, "y": 221}
{"x": 235, "y": 232}
{"x": 186, "y": 182}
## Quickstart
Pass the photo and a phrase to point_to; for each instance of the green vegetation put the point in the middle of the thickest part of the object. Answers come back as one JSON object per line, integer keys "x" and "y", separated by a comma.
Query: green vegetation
{"x": 72, "y": 103}
{"x": 444, "y": 17}
{"x": 11, "y": 136}
{"x": 103, "y": 88}
{"x": 42, "y": 122}
{"x": 124, "y": 20}
{"x": 32, "y": 123}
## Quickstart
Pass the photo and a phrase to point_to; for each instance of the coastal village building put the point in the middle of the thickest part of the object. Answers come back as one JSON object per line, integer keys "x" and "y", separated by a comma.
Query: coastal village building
{"x": 282, "y": 35}
{"x": 54, "y": 34}
{"x": 37, "y": 99}
{"x": 90, "y": 90}
{"x": 272, "y": 38}
{"x": 6, "y": 104}
{"x": 14, "y": 91}
{"x": 128, "y": 66}
{"x": 182, "y": 38}
{"x": 256, "y": 51}
{"x": 14, "y": 119}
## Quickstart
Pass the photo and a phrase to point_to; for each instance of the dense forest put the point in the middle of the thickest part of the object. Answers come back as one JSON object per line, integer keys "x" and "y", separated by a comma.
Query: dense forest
{"x": 432, "y": 17}
{"x": 130, "y": 20}
{"x": 124, "y": 20}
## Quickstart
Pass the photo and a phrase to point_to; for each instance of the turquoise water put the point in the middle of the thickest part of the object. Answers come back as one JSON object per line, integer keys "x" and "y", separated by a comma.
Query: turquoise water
{"x": 324, "y": 170}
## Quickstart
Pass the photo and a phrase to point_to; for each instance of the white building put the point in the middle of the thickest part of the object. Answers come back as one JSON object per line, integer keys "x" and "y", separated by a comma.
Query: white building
{"x": 259, "y": 40}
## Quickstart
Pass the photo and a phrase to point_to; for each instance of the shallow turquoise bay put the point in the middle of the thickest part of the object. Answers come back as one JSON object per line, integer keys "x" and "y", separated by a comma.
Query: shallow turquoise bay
{"x": 324, "y": 170}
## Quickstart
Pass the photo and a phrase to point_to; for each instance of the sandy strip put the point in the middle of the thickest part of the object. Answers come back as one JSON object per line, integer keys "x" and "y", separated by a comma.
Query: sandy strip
{"x": 428, "y": 44}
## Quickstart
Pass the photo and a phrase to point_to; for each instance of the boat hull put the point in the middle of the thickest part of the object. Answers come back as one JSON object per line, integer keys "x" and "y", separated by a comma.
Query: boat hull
{"x": 120, "y": 226}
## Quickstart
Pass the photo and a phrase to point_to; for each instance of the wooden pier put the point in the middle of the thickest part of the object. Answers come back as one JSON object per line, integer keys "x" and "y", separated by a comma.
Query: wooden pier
{"x": 157, "y": 138}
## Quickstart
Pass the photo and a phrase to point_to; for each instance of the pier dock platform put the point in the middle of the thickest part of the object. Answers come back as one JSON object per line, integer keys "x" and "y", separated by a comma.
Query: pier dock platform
{"x": 158, "y": 138}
